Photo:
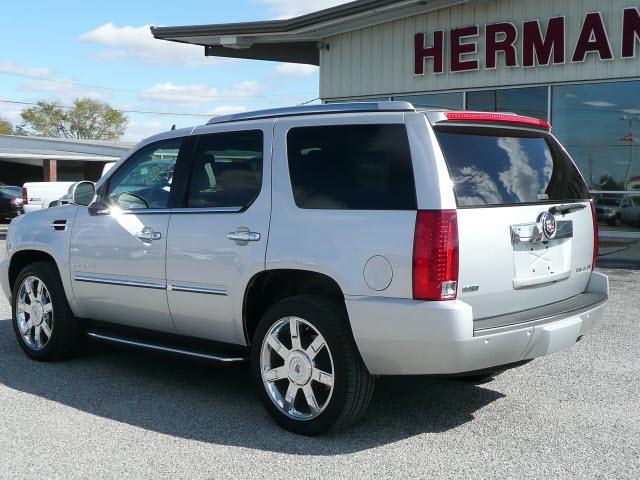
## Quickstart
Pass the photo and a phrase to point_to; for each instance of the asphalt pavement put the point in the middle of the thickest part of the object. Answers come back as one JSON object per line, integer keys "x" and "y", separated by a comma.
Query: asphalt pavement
{"x": 114, "y": 413}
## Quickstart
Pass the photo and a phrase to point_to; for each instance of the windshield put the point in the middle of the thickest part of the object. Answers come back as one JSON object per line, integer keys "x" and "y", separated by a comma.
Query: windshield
{"x": 11, "y": 192}
{"x": 492, "y": 166}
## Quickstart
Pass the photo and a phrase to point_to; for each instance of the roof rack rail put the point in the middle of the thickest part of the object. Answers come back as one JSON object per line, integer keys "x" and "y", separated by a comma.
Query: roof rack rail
{"x": 353, "y": 107}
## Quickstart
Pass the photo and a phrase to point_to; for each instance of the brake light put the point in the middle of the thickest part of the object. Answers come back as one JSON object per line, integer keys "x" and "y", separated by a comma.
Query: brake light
{"x": 435, "y": 255}
{"x": 594, "y": 215}
{"x": 496, "y": 118}
{"x": 25, "y": 200}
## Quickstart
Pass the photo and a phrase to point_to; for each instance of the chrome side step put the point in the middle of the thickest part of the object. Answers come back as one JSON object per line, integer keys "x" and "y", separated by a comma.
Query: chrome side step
{"x": 162, "y": 348}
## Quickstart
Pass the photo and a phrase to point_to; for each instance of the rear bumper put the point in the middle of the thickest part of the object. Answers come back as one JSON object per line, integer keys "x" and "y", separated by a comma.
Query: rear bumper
{"x": 408, "y": 337}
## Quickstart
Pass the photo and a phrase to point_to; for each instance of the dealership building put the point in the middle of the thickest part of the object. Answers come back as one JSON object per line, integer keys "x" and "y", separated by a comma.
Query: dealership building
{"x": 575, "y": 63}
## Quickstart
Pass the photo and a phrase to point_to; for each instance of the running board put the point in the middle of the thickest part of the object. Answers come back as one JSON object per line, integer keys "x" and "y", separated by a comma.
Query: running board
{"x": 162, "y": 348}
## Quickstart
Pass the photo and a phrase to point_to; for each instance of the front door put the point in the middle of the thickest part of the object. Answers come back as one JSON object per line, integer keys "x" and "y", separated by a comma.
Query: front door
{"x": 218, "y": 240}
{"x": 118, "y": 245}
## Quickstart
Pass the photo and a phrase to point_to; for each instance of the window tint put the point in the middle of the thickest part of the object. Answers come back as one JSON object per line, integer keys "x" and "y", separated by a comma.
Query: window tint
{"x": 227, "y": 170}
{"x": 356, "y": 167}
{"x": 504, "y": 168}
{"x": 144, "y": 181}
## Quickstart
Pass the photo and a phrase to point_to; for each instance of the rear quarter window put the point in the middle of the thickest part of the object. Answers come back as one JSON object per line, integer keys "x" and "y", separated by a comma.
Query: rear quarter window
{"x": 492, "y": 167}
{"x": 351, "y": 167}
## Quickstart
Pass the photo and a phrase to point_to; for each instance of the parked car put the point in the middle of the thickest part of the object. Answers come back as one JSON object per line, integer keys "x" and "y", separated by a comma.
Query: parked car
{"x": 609, "y": 208}
{"x": 39, "y": 195}
{"x": 631, "y": 214}
{"x": 328, "y": 245}
{"x": 10, "y": 202}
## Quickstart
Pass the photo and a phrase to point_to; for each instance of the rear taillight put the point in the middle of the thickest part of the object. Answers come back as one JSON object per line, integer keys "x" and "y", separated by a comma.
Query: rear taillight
{"x": 435, "y": 255}
{"x": 595, "y": 235}
{"x": 25, "y": 200}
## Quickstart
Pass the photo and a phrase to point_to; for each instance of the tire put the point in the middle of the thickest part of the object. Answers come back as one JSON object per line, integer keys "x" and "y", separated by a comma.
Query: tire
{"x": 326, "y": 346}
{"x": 43, "y": 335}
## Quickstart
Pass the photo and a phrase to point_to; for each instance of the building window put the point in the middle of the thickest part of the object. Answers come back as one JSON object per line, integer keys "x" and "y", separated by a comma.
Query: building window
{"x": 532, "y": 102}
{"x": 600, "y": 126}
{"x": 448, "y": 101}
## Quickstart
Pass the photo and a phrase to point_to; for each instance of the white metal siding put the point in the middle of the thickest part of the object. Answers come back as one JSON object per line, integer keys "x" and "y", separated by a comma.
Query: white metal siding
{"x": 379, "y": 60}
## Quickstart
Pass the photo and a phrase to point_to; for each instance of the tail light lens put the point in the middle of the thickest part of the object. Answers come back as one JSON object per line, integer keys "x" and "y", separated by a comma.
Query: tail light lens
{"x": 25, "y": 200}
{"x": 435, "y": 255}
{"x": 595, "y": 235}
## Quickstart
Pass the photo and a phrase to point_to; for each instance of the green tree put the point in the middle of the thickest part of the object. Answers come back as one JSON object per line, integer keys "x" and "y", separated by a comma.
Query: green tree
{"x": 5, "y": 127}
{"x": 87, "y": 119}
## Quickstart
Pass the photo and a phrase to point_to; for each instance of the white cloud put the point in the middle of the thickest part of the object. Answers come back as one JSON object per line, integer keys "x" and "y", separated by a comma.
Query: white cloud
{"x": 193, "y": 95}
{"x": 16, "y": 68}
{"x": 295, "y": 70}
{"x": 138, "y": 130}
{"x": 137, "y": 42}
{"x": 293, "y": 8}
{"x": 226, "y": 110}
{"x": 63, "y": 92}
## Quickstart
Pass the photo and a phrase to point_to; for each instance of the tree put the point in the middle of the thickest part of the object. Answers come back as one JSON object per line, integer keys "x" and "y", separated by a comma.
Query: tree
{"x": 87, "y": 119}
{"x": 5, "y": 127}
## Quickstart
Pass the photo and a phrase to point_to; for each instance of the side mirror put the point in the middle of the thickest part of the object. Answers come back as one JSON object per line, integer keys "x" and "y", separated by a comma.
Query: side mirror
{"x": 82, "y": 193}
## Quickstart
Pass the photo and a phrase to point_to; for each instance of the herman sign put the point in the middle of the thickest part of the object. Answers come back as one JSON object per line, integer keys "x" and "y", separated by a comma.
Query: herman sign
{"x": 536, "y": 47}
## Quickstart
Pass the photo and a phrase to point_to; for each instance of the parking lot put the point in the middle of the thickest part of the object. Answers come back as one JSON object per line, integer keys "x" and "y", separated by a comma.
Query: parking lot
{"x": 114, "y": 413}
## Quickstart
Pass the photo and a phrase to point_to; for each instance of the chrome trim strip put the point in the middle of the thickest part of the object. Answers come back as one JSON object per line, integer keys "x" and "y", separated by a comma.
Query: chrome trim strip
{"x": 532, "y": 233}
{"x": 190, "y": 289}
{"x": 160, "y": 211}
{"x": 161, "y": 348}
{"x": 79, "y": 277}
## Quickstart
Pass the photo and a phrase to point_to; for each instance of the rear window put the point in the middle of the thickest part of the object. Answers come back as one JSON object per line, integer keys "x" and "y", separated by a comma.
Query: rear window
{"x": 351, "y": 167}
{"x": 504, "y": 167}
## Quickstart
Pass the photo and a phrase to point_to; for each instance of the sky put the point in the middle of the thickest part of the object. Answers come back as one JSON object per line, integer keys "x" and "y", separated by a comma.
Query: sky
{"x": 108, "y": 48}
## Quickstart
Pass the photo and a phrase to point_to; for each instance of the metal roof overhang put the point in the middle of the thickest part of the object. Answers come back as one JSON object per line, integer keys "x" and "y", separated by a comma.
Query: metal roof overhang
{"x": 295, "y": 40}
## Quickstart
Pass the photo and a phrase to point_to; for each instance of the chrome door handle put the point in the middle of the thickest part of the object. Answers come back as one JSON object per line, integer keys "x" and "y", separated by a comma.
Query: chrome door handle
{"x": 244, "y": 236}
{"x": 147, "y": 235}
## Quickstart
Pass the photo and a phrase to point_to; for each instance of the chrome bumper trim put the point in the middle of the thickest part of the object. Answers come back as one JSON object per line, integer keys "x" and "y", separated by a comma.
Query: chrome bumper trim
{"x": 204, "y": 290}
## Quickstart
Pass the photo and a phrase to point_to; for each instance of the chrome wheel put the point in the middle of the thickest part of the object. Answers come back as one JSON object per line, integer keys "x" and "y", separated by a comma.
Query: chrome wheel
{"x": 34, "y": 313}
{"x": 297, "y": 368}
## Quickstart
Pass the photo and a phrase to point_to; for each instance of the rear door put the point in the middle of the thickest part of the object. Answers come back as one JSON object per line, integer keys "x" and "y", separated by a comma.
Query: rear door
{"x": 517, "y": 250}
{"x": 218, "y": 238}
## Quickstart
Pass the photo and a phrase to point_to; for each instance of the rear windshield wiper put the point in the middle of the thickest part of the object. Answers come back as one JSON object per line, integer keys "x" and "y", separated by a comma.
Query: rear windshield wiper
{"x": 564, "y": 209}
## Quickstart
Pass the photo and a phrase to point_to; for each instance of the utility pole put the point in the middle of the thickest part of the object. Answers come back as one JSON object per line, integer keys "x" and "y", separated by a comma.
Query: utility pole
{"x": 627, "y": 175}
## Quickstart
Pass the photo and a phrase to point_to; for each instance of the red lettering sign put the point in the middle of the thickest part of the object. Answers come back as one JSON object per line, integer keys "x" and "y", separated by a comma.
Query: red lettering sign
{"x": 507, "y": 44}
{"x": 593, "y": 38}
{"x": 436, "y": 52}
{"x": 458, "y": 48}
{"x": 534, "y": 45}
{"x": 630, "y": 32}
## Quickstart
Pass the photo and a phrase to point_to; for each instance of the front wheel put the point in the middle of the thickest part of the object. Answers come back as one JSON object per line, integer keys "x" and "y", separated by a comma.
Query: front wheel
{"x": 307, "y": 368}
{"x": 42, "y": 320}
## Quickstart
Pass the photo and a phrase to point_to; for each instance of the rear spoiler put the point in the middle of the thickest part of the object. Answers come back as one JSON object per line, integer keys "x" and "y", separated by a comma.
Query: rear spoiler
{"x": 488, "y": 117}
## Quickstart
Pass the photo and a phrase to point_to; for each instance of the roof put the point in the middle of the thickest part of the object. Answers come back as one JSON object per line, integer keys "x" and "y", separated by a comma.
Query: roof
{"x": 13, "y": 147}
{"x": 295, "y": 40}
{"x": 352, "y": 107}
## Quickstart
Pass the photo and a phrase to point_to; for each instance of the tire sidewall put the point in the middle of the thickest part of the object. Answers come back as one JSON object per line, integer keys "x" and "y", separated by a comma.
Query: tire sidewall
{"x": 60, "y": 310}
{"x": 295, "y": 307}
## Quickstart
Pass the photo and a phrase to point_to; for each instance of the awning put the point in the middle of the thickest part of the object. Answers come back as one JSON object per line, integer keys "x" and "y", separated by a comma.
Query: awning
{"x": 299, "y": 39}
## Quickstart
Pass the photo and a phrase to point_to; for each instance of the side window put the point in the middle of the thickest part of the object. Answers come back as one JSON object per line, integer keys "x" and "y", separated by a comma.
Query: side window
{"x": 353, "y": 167}
{"x": 144, "y": 181}
{"x": 227, "y": 170}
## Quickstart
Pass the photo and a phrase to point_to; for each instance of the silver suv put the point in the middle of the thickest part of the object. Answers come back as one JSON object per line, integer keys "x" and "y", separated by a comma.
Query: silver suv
{"x": 327, "y": 244}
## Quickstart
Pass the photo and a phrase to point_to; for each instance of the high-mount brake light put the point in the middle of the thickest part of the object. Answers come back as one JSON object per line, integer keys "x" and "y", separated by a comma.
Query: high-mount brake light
{"x": 496, "y": 118}
{"x": 435, "y": 255}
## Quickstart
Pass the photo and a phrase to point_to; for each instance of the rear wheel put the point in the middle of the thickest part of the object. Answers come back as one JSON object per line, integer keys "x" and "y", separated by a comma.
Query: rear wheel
{"x": 42, "y": 320}
{"x": 307, "y": 367}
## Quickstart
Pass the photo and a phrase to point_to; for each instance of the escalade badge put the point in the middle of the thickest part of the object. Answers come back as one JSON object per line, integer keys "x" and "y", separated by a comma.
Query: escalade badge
{"x": 547, "y": 223}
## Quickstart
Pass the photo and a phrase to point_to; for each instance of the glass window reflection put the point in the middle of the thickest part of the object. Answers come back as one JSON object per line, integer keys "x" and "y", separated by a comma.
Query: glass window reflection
{"x": 532, "y": 102}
